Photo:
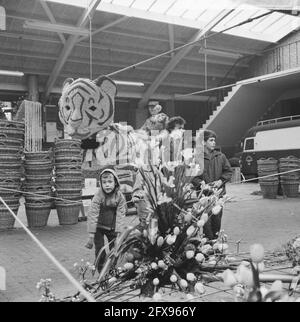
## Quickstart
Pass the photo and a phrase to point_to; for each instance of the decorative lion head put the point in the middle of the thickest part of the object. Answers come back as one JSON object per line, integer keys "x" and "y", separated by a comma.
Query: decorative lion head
{"x": 87, "y": 106}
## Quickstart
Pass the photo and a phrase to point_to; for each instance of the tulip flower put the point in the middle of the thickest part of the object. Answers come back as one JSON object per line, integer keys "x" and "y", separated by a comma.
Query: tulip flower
{"x": 128, "y": 266}
{"x": 176, "y": 231}
{"x": 229, "y": 278}
{"x": 161, "y": 264}
{"x": 190, "y": 254}
{"x": 171, "y": 239}
{"x": 190, "y": 231}
{"x": 188, "y": 217}
{"x": 199, "y": 288}
{"x": 245, "y": 276}
{"x": 145, "y": 233}
{"x": 112, "y": 280}
{"x": 190, "y": 277}
{"x": 160, "y": 241}
{"x": 200, "y": 223}
{"x": 204, "y": 217}
{"x": 216, "y": 210}
{"x": 155, "y": 281}
{"x": 257, "y": 253}
{"x": 200, "y": 258}
{"x": 173, "y": 278}
{"x": 154, "y": 265}
{"x": 183, "y": 283}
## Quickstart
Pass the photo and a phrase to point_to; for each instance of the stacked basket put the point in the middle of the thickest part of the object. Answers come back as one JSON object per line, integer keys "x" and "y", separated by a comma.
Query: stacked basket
{"x": 11, "y": 147}
{"x": 38, "y": 172}
{"x": 290, "y": 181}
{"x": 268, "y": 168}
{"x": 68, "y": 180}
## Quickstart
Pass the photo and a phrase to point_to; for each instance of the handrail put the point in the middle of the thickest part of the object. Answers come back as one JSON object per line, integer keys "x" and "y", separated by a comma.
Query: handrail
{"x": 279, "y": 119}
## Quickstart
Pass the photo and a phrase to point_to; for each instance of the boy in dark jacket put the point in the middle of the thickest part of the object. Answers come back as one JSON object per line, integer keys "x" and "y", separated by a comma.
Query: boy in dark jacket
{"x": 107, "y": 204}
{"x": 217, "y": 171}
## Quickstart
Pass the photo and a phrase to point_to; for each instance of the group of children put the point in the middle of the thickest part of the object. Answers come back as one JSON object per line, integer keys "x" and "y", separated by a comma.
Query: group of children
{"x": 109, "y": 202}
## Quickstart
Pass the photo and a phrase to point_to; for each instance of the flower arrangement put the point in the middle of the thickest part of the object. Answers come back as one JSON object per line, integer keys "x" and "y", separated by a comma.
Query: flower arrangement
{"x": 44, "y": 286}
{"x": 171, "y": 248}
{"x": 292, "y": 250}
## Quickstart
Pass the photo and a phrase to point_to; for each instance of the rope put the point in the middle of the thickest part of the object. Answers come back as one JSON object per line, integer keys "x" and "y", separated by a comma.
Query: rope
{"x": 51, "y": 257}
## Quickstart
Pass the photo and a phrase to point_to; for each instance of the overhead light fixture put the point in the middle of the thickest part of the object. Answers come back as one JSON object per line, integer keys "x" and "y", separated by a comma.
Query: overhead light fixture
{"x": 126, "y": 83}
{"x": 11, "y": 73}
{"x": 46, "y": 26}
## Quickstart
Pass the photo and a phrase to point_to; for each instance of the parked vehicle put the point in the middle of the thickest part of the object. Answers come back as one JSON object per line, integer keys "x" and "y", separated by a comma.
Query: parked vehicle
{"x": 274, "y": 138}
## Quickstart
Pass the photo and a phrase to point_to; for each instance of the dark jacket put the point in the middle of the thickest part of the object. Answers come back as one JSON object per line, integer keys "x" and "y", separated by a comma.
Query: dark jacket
{"x": 105, "y": 208}
{"x": 216, "y": 167}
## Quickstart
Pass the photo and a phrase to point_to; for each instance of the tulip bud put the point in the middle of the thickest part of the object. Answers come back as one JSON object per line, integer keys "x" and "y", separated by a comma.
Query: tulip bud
{"x": 257, "y": 253}
{"x": 204, "y": 217}
{"x": 216, "y": 210}
{"x": 204, "y": 241}
{"x": 200, "y": 223}
{"x": 245, "y": 276}
{"x": 129, "y": 257}
{"x": 200, "y": 258}
{"x": 206, "y": 248}
{"x": 157, "y": 297}
{"x": 215, "y": 246}
{"x": 155, "y": 281}
{"x": 277, "y": 286}
{"x": 160, "y": 241}
{"x": 176, "y": 231}
{"x": 128, "y": 266}
{"x": 173, "y": 278}
{"x": 190, "y": 277}
{"x": 183, "y": 283}
{"x": 190, "y": 254}
{"x": 161, "y": 264}
{"x": 154, "y": 266}
{"x": 229, "y": 278}
{"x": 145, "y": 233}
{"x": 199, "y": 288}
{"x": 188, "y": 217}
{"x": 112, "y": 280}
{"x": 171, "y": 239}
{"x": 190, "y": 230}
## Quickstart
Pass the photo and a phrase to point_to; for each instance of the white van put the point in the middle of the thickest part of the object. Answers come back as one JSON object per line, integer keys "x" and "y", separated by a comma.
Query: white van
{"x": 275, "y": 138}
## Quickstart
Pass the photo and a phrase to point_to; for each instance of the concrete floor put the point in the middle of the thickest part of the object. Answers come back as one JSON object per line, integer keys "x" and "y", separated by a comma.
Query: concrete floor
{"x": 247, "y": 217}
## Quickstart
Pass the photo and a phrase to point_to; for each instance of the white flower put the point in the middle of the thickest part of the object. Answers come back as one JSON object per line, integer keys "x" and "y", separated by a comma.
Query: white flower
{"x": 190, "y": 231}
{"x": 200, "y": 223}
{"x": 128, "y": 266}
{"x": 190, "y": 277}
{"x": 190, "y": 254}
{"x": 206, "y": 248}
{"x": 245, "y": 276}
{"x": 199, "y": 288}
{"x": 171, "y": 239}
{"x": 161, "y": 264}
{"x": 160, "y": 241}
{"x": 229, "y": 278}
{"x": 173, "y": 278}
{"x": 154, "y": 266}
{"x": 112, "y": 280}
{"x": 257, "y": 253}
{"x": 223, "y": 247}
{"x": 155, "y": 281}
{"x": 176, "y": 231}
{"x": 183, "y": 283}
{"x": 200, "y": 258}
{"x": 216, "y": 210}
{"x": 204, "y": 217}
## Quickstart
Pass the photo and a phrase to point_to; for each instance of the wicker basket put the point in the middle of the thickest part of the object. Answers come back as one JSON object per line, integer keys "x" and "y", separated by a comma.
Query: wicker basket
{"x": 68, "y": 174}
{"x": 67, "y": 152}
{"x": 12, "y": 133}
{"x": 68, "y": 213}
{"x": 37, "y": 214}
{"x": 67, "y": 183}
{"x": 290, "y": 188}
{"x": 39, "y": 170}
{"x": 13, "y": 143}
{"x": 39, "y": 156}
{"x": 38, "y": 179}
{"x": 7, "y": 221}
{"x": 12, "y": 124}
{"x": 9, "y": 167}
{"x": 11, "y": 158}
{"x": 67, "y": 144}
{"x": 68, "y": 166}
{"x": 68, "y": 159}
{"x": 269, "y": 189}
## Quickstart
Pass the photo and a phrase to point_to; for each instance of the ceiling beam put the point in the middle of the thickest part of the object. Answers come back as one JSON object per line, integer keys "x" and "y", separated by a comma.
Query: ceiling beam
{"x": 179, "y": 56}
{"x": 68, "y": 47}
{"x": 52, "y": 19}
{"x": 171, "y": 38}
{"x": 182, "y": 70}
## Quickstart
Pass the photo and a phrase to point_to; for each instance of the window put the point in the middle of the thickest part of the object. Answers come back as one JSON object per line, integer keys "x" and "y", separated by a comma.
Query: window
{"x": 249, "y": 144}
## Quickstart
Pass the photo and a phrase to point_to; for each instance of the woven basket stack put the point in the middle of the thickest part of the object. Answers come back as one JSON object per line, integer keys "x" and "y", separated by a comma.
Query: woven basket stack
{"x": 68, "y": 180}
{"x": 290, "y": 181}
{"x": 268, "y": 168}
{"x": 11, "y": 148}
{"x": 38, "y": 172}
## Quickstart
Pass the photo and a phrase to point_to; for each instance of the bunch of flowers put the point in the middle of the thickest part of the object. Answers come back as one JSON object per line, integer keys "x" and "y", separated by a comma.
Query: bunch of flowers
{"x": 171, "y": 248}
{"x": 247, "y": 285}
{"x": 44, "y": 287}
{"x": 292, "y": 250}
